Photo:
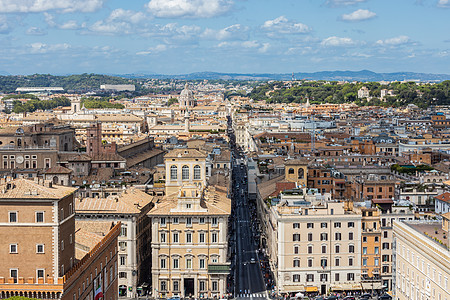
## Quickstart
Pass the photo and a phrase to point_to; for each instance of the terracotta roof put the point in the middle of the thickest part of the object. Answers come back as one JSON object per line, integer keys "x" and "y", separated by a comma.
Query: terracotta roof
{"x": 185, "y": 153}
{"x": 73, "y": 157}
{"x": 27, "y": 189}
{"x": 140, "y": 157}
{"x": 130, "y": 201}
{"x": 58, "y": 170}
{"x": 269, "y": 187}
{"x": 445, "y": 197}
{"x": 302, "y": 161}
{"x": 108, "y": 157}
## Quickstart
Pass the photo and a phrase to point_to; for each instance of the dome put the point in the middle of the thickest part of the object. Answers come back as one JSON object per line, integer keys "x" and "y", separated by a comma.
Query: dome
{"x": 186, "y": 92}
{"x": 186, "y": 98}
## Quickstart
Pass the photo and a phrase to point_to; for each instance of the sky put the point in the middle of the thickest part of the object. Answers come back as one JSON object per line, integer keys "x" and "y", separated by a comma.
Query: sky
{"x": 229, "y": 36}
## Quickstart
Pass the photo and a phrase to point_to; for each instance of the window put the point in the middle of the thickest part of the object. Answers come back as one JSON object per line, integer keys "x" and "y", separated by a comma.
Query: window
{"x": 188, "y": 221}
{"x": 39, "y": 217}
{"x": 377, "y": 262}
{"x": 323, "y": 277}
{"x": 188, "y": 237}
{"x": 385, "y": 258}
{"x": 176, "y": 237}
{"x": 296, "y": 237}
{"x": 188, "y": 263}
{"x": 163, "y": 285}
{"x": 350, "y": 261}
{"x": 40, "y": 248}
{"x": 214, "y": 221}
{"x": 377, "y": 250}
{"x": 296, "y": 225}
{"x": 215, "y": 285}
{"x": 364, "y": 250}
{"x": 14, "y": 273}
{"x": 201, "y": 220}
{"x": 350, "y": 276}
{"x": 176, "y": 286}
{"x": 296, "y": 263}
{"x": 123, "y": 231}
{"x": 162, "y": 237}
{"x": 13, "y": 216}
{"x": 162, "y": 263}
{"x": 337, "y": 248}
{"x": 13, "y": 248}
{"x": 185, "y": 173}
{"x": 364, "y": 239}
{"x": 309, "y": 277}
{"x": 337, "y": 225}
{"x": 338, "y": 236}
{"x": 173, "y": 173}
{"x": 350, "y": 236}
{"x": 123, "y": 260}
{"x": 176, "y": 263}
{"x": 310, "y": 262}
{"x": 323, "y": 225}
{"x": 202, "y": 263}
{"x": 197, "y": 173}
{"x": 324, "y": 236}
{"x": 323, "y": 263}
{"x": 310, "y": 225}
{"x": 291, "y": 171}
{"x": 175, "y": 220}
{"x": 295, "y": 249}
{"x": 162, "y": 221}
{"x": 337, "y": 262}
{"x": 364, "y": 261}
{"x": 188, "y": 206}
{"x": 296, "y": 277}
{"x": 122, "y": 274}
{"x": 62, "y": 245}
{"x": 40, "y": 273}
{"x": 336, "y": 277}
{"x": 310, "y": 249}
{"x": 214, "y": 237}
{"x": 385, "y": 246}
{"x": 310, "y": 237}
{"x": 201, "y": 285}
{"x": 201, "y": 238}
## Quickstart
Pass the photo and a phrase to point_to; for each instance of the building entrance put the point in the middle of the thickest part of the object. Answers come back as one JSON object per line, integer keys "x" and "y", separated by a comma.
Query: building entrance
{"x": 188, "y": 287}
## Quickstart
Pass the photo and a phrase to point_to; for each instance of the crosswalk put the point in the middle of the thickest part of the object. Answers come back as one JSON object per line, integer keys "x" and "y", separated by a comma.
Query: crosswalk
{"x": 254, "y": 295}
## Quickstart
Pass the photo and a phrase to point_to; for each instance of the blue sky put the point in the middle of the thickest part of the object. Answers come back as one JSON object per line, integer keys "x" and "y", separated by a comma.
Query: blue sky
{"x": 239, "y": 36}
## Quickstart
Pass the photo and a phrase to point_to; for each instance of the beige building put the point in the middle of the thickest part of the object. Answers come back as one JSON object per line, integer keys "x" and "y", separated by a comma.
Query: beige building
{"x": 422, "y": 269}
{"x": 189, "y": 231}
{"x": 314, "y": 243}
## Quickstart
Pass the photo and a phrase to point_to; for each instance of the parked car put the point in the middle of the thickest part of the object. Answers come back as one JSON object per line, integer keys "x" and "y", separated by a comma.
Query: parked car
{"x": 252, "y": 260}
{"x": 385, "y": 297}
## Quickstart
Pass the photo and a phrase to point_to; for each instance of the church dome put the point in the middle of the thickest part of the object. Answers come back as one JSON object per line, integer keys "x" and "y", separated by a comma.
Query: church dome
{"x": 186, "y": 98}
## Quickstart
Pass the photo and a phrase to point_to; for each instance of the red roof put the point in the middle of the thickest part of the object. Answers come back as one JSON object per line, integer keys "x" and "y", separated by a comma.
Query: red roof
{"x": 382, "y": 201}
{"x": 282, "y": 186}
{"x": 443, "y": 197}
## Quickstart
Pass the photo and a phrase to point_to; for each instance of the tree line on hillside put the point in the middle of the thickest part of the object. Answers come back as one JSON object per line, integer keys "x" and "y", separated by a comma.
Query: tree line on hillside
{"x": 422, "y": 95}
{"x": 36, "y": 104}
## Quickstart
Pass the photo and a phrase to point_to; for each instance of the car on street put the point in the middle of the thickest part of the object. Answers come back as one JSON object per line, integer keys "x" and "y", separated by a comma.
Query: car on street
{"x": 385, "y": 297}
{"x": 252, "y": 260}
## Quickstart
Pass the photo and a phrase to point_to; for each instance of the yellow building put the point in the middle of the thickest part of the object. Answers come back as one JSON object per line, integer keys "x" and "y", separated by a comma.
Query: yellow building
{"x": 189, "y": 231}
{"x": 371, "y": 248}
{"x": 296, "y": 170}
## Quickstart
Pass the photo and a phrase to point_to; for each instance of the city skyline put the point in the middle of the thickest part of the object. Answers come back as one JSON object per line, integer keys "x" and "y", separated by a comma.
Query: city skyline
{"x": 185, "y": 36}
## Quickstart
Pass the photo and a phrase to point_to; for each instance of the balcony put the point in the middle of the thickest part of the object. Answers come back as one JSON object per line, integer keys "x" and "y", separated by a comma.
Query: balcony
{"x": 219, "y": 268}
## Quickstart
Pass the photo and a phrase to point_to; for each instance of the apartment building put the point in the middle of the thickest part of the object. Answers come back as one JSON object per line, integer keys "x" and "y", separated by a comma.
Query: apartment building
{"x": 422, "y": 268}
{"x": 94, "y": 217}
{"x": 315, "y": 243}
{"x": 371, "y": 248}
{"x": 189, "y": 231}
{"x": 37, "y": 232}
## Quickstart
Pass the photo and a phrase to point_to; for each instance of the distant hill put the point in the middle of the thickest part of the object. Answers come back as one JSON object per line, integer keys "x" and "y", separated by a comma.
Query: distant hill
{"x": 364, "y": 75}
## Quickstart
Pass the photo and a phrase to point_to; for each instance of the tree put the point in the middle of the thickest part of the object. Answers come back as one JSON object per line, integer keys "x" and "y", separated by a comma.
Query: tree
{"x": 172, "y": 101}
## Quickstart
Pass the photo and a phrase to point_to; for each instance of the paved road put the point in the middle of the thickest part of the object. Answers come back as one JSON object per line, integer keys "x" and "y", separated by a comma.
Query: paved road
{"x": 248, "y": 279}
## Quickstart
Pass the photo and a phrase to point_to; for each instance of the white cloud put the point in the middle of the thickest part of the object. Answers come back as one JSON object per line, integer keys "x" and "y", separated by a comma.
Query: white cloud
{"x": 188, "y": 8}
{"x": 334, "y": 41}
{"x": 4, "y": 25}
{"x": 71, "y": 24}
{"x": 444, "y": 3}
{"x": 359, "y": 15}
{"x": 395, "y": 41}
{"x": 26, "y": 6}
{"x": 120, "y": 21}
{"x": 35, "y": 31}
{"x": 246, "y": 45}
{"x": 236, "y": 32}
{"x": 282, "y": 25}
{"x": 344, "y": 2}
{"x": 157, "y": 49}
{"x": 41, "y": 48}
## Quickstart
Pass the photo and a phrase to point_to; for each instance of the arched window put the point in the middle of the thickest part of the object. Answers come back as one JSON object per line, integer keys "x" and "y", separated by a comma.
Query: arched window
{"x": 300, "y": 173}
{"x": 173, "y": 173}
{"x": 185, "y": 173}
{"x": 291, "y": 171}
{"x": 197, "y": 172}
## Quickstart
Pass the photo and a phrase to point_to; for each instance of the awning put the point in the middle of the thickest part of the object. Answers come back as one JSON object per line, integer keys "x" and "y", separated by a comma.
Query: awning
{"x": 346, "y": 287}
{"x": 310, "y": 289}
{"x": 293, "y": 288}
{"x": 376, "y": 285}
